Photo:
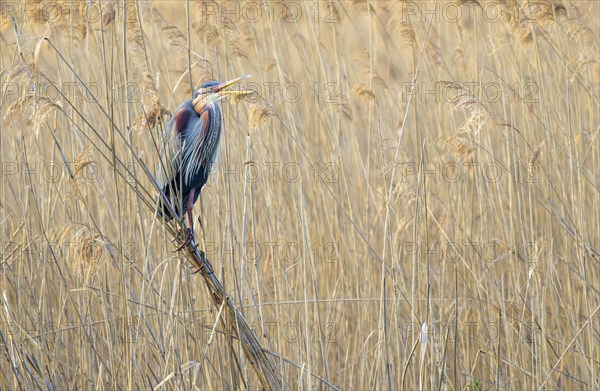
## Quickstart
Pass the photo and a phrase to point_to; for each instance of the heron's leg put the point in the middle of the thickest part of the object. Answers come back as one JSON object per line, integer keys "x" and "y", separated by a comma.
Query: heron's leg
{"x": 190, "y": 207}
{"x": 189, "y": 231}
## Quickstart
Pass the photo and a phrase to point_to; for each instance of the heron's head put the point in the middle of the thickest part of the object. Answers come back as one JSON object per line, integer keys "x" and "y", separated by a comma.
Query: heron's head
{"x": 214, "y": 91}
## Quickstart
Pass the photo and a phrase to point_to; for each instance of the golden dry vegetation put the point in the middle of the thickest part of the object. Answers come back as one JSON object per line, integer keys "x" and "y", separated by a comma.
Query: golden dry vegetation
{"x": 411, "y": 199}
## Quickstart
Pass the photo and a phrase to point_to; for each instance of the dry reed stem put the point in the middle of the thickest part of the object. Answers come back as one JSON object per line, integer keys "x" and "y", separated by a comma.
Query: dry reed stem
{"x": 264, "y": 368}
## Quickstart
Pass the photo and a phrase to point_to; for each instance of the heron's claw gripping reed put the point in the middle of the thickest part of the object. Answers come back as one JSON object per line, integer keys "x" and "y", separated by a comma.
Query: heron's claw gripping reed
{"x": 189, "y": 237}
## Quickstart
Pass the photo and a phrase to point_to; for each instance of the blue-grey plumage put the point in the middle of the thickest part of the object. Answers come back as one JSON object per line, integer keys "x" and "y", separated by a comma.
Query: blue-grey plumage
{"x": 191, "y": 146}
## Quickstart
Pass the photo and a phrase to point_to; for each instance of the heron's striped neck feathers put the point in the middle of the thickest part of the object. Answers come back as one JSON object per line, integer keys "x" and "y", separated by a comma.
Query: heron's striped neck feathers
{"x": 201, "y": 140}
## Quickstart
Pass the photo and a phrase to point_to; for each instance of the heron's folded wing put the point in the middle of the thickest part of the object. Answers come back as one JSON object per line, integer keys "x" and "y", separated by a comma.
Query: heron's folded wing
{"x": 195, "y": 143}
{"x": 171, "y": 147}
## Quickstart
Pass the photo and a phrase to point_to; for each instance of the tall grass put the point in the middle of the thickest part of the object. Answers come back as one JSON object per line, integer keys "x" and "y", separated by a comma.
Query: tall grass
{"x": 410, "y": 200}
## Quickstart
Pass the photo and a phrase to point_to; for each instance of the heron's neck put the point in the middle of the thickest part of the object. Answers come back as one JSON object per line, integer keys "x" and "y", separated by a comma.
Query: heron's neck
{"x": 214, "y": 115}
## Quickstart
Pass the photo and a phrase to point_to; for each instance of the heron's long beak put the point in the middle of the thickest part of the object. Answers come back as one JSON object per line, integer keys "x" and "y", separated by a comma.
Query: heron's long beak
{"x": 231, "y": 82}
{"x": 220, "y": 89}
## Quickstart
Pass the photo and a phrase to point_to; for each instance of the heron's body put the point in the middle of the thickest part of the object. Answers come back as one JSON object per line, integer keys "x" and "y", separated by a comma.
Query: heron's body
{"x": 193, "y": 139}
{"x": 190, "y": 148}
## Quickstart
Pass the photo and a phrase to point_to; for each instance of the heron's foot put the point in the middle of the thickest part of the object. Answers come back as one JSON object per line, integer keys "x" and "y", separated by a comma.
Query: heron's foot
{"x": 203, "y": 266}
{"x": 189, "y": 237}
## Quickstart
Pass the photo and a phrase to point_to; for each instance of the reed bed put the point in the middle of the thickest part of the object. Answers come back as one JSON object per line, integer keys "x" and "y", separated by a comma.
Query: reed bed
{"x": 409, "y": 200}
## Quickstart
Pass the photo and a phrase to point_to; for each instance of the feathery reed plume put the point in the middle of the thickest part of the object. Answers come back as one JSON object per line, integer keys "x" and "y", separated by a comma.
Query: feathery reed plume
{"x": 464, "y": 100}
{"x": 360, "y": 90}
{"x": 172, "y": 36}
{"x": 108, "y": 12}
{"x": 526, "y": 18}
{"x": 460, "y": 147}
{"x": 400, "y": 23}
{"x": 81, "y": 176}
{"x": 543, "y": 11}
{"x": 259, "y": 113}
{"x": 582, "y": 62}
{"x": 83, "y": 18}
{"x": 154, "y": 111}
{"x": 83, "y": 249}
{"x": 206, "y": 25}
{"x": 40, "y": 105}
{"x": 477, "y": 115}
{"x": 576, "y": 29}
{"x": 84, "y": 159}
{"x": 405, "y": 191}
